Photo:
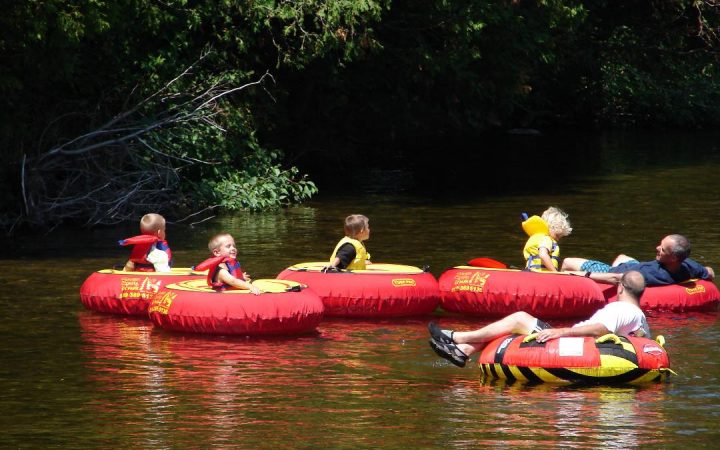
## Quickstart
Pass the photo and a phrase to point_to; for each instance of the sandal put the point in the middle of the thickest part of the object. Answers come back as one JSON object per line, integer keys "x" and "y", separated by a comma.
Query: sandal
{"x": 440, "y": 335}
{"x": 449, "y": 351}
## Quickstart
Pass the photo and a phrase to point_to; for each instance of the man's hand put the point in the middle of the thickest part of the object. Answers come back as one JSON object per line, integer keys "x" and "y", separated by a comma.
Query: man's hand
{"x": 551, "y": 333}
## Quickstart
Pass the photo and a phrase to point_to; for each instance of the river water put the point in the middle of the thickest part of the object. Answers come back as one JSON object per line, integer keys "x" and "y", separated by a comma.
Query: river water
{"x": 78, "y": 379}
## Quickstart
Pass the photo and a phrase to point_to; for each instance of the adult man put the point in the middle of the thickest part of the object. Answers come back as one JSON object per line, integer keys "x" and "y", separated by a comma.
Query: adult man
{"x": 671, "y": 265}
{"x": 623, "y": 317}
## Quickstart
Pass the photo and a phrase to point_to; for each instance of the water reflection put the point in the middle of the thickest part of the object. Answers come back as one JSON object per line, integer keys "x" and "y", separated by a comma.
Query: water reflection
{"x": 522, "y": 415}
{"x": 225, "y": 388}
{"x": 106, "y": 381}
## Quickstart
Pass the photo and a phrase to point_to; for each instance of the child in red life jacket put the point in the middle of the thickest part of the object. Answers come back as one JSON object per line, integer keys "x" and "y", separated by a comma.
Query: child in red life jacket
{"x": 224, "y": 271}
{"x": 150, "y": 252}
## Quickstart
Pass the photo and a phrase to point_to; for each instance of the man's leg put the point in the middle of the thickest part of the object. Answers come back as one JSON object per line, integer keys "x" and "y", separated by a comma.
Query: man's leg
{"x": 569, "y": 264}
{"x": 470, "y": 342}
{"x": 621, "y": 259}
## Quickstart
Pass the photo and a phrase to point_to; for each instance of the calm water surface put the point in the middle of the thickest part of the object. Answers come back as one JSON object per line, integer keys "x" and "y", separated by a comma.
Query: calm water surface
{"x": 74, "y": 378}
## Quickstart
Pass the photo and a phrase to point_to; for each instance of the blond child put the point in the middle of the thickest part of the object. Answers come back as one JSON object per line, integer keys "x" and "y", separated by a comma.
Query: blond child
{"x": 150, "y": 249}
{"x": 541, "y": 251}
{"x": 350, "y": 252}
{"x": 224, "y": 270}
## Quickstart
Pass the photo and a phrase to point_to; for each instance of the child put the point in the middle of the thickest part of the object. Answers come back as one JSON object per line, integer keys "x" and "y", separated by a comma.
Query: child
{"x": 224, "y": 271}
{"x": 150, "y": 250}
{"x": 350, "y": 252}
{"x": 542, "y": 251}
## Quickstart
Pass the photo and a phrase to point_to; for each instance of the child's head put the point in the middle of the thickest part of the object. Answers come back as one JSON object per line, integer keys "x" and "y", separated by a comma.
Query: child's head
{"x": 357, "y": 227}
{"x": 557, "y": 221}
{"x": 153, "y": 224}
{"x": 222, "y": 244}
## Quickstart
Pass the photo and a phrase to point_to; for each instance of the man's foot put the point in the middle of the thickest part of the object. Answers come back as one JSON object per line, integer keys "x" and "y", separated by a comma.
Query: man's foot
{"x": 449, "y": 351}
{"x": 440, "y": 335}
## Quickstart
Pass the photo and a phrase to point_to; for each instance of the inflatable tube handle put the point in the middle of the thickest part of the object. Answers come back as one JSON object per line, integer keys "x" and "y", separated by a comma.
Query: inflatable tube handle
{"x": 530, "y": 337}
{"x": 660, "y": 339}
{"x": 608, "y": 337}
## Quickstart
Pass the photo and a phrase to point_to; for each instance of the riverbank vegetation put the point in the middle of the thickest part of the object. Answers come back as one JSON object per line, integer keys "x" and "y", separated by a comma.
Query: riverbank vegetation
{"x": 114, "y": 108}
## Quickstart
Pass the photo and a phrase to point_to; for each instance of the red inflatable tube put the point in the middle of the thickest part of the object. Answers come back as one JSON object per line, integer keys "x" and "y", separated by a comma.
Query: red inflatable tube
{"x": 606, "y": 360}
{"x": 283, "y": 308}
{"x": 129, "y": 293}
{"x": 497, "y": 293}
{"x": 693, "y": 295}
{"x": 381, "y": 291}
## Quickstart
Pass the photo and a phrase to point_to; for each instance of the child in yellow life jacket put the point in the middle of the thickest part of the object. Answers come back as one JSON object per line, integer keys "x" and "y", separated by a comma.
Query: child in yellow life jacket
{"x": 542, "y": 252}
{"x": 150, "y": 252}
{"x": 224, "y": 270}
{"x": 350, "y": 252}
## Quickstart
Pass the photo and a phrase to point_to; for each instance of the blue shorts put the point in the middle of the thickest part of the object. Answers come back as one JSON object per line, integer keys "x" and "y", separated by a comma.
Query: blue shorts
{"x": 599, "y": 266}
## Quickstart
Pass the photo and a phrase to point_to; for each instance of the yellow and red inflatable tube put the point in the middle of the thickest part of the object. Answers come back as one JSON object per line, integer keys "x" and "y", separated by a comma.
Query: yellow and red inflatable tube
{"x": 129, "y": 293}
{"x": 380, "y": 291}
{"x": 282, "y": 308}
{"x": 498, "y": 292}
{"x": 689, "y": 296}
{"x": 585, "y": 360}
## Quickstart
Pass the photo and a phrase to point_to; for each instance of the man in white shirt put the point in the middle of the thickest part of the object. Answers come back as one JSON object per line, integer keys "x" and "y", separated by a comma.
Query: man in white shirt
{"x": 623, "y": 317}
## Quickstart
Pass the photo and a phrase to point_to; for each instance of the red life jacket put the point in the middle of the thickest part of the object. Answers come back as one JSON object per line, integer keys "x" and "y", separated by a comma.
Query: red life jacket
{"x": 212, "y": 265}
{"x": 142, "y": 245}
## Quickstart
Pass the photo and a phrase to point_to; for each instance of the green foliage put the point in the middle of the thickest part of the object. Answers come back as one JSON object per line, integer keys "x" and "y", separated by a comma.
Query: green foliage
{"x": 635, "y": 63}
{"x": 69, "y": 67}
{"x": 260, "y": 185}
{"x": 370, "y": 73}
{"x": 633, "y": 96}
{"x": 444, "y": 68}
{"x": 661, "y": 70}
{"x": 303, "y": 30}
{"x": 225, "y": 165}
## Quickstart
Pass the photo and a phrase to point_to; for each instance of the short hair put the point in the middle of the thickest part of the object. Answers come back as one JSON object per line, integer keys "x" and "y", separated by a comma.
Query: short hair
{"x": 557, "y": 221}
{"x": 681, "y": 246}
{"x": 151, "y": 223}
{"x": 215, "y": 240}
{"x": 354, "y": 224}
{"x": 634, "y": 283}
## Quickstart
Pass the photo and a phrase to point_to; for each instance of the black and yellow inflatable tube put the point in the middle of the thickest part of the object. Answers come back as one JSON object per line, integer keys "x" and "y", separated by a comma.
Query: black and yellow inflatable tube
{"x": 609, "y": 359}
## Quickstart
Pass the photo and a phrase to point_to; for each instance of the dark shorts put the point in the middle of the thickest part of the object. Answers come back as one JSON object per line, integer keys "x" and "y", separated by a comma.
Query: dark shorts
{"x": 540, "y": 325}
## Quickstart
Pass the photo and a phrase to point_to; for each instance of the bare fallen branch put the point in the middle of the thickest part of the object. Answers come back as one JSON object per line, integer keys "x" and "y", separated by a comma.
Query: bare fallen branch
{"x": 131, "y": 164}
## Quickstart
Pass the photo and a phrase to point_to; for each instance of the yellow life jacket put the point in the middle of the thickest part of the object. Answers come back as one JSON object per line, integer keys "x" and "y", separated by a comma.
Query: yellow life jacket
{"x": 534, "y": 225}
{"x": 361, "y": 254}
{"x": 532, "y": 248}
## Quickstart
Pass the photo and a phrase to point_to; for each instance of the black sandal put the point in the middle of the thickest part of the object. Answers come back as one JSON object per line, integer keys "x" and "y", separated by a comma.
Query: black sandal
{"x": 440, "y": 335}
{"x": 449, "y": 351}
